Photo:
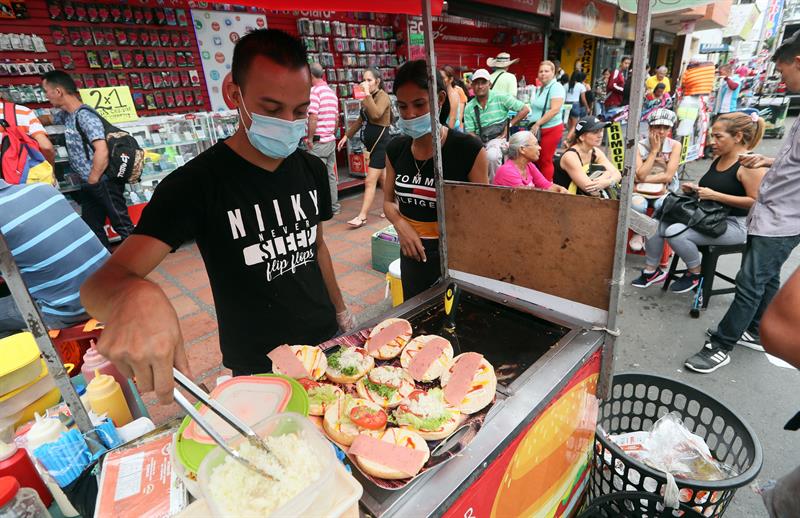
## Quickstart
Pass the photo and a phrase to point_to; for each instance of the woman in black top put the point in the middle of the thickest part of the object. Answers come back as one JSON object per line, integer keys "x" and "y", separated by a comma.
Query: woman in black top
{"x": 410, "y": 189}
{"x": 726, "y": 182}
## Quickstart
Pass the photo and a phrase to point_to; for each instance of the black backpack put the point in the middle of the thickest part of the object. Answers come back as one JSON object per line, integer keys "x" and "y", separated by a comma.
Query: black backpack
{"x": 125, "y": 157}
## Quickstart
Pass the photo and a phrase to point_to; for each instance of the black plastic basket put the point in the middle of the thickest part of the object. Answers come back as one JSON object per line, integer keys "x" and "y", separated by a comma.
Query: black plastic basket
{"x": 632, "y": 504}
{"x": 636, "y": 402}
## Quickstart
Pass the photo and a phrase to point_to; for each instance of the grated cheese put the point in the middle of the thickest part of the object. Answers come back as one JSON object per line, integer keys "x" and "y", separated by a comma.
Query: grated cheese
{"x": 241, "y": 492}
{"x": 389, "y": 376}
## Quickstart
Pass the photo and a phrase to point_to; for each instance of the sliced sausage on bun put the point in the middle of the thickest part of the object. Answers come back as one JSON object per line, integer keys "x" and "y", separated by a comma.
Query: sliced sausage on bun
{"x": 388, "y": 338}
{"x": 428, "y": 414}
{"x": 298, "y": 361}
{"x": 426, "y": 357}
{"x": 392, "y": 454}
{"x": 320, "y": 395}
{"x": 386, "y": 386}
{"x": 348, "y": 364}
{"x": 469, "y": 382}
{"x": 348, "y": 417}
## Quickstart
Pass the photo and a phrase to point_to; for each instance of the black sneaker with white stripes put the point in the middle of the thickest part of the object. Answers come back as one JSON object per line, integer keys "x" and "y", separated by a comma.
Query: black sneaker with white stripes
{"x": 748, "y": 339}
{"x": 709, "y": 359}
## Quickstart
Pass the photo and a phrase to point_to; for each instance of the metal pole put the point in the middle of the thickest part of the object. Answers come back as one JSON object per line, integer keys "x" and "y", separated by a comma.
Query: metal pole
{"x": 33, "y": 318}
{"x": 637, "y": 77}
{"x": 433, "y": 99}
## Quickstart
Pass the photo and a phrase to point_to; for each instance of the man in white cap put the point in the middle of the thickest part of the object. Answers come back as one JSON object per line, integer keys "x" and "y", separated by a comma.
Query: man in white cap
{"x": 503, "y": 81}
{"x": 486, "y": 117}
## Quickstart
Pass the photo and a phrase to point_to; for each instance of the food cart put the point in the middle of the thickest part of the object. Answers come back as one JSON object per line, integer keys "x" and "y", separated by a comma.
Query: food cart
{"x": 538, "y": 300}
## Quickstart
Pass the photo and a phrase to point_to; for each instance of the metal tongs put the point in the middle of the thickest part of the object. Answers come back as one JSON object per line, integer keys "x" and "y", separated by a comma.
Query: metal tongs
{"x": 226, "y": 415}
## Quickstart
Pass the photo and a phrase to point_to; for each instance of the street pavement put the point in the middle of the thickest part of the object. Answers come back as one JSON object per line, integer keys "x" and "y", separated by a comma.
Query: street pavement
{"x": 657, "y": 334}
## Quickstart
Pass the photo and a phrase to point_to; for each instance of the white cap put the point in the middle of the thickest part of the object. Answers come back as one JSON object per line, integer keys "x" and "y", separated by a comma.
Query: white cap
{"x": 481, "y": 73}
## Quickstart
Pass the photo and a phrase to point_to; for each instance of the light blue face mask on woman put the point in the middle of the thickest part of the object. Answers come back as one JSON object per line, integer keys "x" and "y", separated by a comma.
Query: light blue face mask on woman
{"x": 416, "y": 127}
{"x": 273, "y": 137}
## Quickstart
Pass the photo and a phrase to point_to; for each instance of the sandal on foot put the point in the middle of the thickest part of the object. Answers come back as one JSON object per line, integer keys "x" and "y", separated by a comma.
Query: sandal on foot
{"x": 357, "y": 222}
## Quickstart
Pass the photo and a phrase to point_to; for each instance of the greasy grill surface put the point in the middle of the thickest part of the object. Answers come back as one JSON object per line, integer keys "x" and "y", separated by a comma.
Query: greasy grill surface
{"x": 510, "y": 339}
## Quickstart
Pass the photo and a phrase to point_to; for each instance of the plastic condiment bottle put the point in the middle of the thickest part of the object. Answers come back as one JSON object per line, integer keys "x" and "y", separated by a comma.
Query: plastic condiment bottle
{"x": 19, "y": 502}
{"x": 105, "y": 397}
{"x": 16, "y": 462}
{"x": 94, "y": 361}
{"x": 43, "y": 431}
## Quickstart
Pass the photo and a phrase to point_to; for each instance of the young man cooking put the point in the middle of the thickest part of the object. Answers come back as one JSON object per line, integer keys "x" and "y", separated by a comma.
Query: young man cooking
{"x": 255, "y": 206}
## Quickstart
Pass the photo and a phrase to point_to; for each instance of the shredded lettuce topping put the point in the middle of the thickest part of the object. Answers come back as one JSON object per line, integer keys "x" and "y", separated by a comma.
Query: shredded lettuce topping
{"x": 382, "y": 390}
{"x": 335, "y": 361}
{"x": 322, "y": 395}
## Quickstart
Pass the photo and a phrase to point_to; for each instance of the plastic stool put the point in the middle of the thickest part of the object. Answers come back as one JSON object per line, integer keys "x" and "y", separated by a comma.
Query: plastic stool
{"x": 708, "y": 269}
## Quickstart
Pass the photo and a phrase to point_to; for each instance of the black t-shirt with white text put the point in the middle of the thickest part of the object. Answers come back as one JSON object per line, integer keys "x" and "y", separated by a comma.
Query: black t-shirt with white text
{"x": 415, "y": 181}
{"x": 257, "y": 234}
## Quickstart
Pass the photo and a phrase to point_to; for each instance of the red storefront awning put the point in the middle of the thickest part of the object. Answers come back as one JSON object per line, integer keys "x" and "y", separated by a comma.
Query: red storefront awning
{"x": 344, "y": 6}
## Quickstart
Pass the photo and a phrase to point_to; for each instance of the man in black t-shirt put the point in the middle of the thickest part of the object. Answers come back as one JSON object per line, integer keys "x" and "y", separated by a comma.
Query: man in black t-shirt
{"x": 255, "y": 206}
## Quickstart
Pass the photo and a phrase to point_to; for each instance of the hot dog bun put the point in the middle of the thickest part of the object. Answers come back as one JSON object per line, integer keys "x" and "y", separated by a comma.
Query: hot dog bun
{"x": 318, "y": 408}
{"x": 419, "y": 405}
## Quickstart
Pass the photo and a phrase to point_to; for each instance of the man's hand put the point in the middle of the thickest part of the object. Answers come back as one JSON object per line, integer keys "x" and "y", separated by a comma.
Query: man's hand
{"x": 755, "y": 161}
{"x": 143, "y": 339}
{"x": 345, "y": 320}
{"x": 309, "y": 144}
{"x": 93, "y": 179}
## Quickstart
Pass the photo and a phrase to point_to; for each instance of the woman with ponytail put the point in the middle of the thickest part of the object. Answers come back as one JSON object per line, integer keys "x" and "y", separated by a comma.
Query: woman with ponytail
{"x": 727, "y": 182}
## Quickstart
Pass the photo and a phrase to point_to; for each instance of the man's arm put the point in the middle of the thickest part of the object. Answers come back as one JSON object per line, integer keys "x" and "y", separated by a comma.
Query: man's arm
{"x": 142, "y": 336}
{"x": 312, "y": 129}
{"x": 521, "y": 114}
{"x": 470, "y": 124}
{"x": 46, "y": 147}
{"x": 780, "y": 327}
{"x": 99, "y": 161}
{"x": 343, "y": 318}
{"x": 733, "y": 85}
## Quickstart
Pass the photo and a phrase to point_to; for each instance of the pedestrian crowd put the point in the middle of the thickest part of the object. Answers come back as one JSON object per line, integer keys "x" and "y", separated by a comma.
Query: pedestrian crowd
{"x": 257, "y": 202}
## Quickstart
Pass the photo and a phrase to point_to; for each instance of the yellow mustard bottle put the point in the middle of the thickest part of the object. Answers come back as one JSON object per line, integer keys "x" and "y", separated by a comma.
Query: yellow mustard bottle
{"x": 106, "y": 397}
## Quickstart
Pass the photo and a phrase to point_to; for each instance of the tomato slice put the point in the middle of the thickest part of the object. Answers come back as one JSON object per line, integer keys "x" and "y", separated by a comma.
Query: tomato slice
{"x": 368, "y": 418}
{"x": 308, "y": 384}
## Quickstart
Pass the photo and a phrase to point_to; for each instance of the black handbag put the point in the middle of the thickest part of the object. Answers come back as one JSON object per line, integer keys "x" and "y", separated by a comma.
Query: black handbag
{"x": 705, "y": 216}
{"x": 491, "y": 131}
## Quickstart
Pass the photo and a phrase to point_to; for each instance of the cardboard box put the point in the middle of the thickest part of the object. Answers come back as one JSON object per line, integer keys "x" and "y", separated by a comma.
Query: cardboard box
{"x": 385, "y": 248}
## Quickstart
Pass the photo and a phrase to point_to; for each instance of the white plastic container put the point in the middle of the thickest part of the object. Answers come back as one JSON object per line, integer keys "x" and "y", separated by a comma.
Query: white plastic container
{"x": 320, "y": 492}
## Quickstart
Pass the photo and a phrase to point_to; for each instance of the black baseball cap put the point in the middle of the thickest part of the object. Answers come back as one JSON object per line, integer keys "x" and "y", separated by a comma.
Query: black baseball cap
{"x": 588, "y": 124}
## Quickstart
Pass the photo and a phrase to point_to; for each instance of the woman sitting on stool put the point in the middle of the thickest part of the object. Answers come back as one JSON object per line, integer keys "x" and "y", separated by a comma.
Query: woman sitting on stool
{"x": 726, "y": 182}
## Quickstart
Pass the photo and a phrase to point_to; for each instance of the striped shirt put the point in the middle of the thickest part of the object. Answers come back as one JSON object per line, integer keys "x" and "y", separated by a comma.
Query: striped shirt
{"x": 54, "y": 249}
{"x": 325, "y": 105}
{"x": 496, "y": 110}
{"x": 26, "y": 121}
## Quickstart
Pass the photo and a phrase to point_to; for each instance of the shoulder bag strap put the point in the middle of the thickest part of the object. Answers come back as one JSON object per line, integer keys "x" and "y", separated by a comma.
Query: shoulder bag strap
{"x": 576, "y": 152}
{"x": 478, "y": 117}
{"x": 496, "y": 78}
{"x": 84, "y": 138}
{"x": 10, "y": 114}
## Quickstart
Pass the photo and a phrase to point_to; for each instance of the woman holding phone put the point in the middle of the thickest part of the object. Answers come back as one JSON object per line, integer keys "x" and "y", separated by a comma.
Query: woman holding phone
{"x": 584, "y": 168}
{"x": 373, "y": 121}
{"x": 727, "y": 182}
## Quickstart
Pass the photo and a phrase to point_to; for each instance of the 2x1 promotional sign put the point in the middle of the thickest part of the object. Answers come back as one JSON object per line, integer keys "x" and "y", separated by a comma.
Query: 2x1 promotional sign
{"x": 114, "y": 103}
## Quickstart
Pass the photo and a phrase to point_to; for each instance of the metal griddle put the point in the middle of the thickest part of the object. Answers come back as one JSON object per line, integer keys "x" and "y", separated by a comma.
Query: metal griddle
{"x": 513, "y": 336}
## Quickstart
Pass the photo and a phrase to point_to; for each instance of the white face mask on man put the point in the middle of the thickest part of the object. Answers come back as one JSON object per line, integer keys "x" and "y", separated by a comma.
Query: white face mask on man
{"x": 273, "y": 137}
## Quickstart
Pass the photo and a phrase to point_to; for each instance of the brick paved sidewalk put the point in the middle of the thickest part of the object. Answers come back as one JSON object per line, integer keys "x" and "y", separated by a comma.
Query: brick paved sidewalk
{"x": 183, "y": 277}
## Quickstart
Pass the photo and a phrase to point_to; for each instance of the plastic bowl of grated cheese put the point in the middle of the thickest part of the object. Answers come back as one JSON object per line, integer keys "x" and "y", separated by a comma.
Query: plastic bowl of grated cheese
{"x": 306, "y": 467}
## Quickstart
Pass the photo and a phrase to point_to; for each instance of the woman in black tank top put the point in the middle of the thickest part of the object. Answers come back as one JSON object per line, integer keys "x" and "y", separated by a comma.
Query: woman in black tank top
{"x": 410, "y": 188}
{"x": 727, "y": 182}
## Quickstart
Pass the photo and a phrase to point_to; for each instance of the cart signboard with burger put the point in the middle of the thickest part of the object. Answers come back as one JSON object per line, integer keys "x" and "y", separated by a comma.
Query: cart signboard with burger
{"x": 528, "y": 352}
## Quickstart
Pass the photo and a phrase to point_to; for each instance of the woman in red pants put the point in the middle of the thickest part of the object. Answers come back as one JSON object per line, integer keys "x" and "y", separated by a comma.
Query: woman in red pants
{"x": 546, "y": 110}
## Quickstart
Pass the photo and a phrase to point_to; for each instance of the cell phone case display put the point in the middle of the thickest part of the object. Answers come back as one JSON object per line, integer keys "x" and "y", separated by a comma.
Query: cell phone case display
{"x": 145, "y": 46}
{"x": 169, "y": 142}
{"x": 22, "y": 66}
{"x": 358, "y": 45}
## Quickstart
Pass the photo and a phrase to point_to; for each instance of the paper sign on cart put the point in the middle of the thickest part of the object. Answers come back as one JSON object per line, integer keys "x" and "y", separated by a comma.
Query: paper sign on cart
{"x": 140, "y": 482}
